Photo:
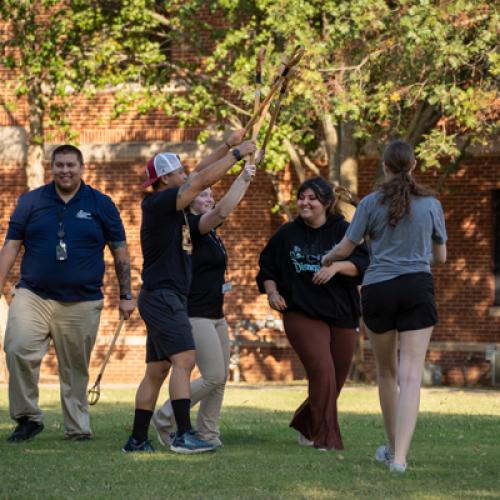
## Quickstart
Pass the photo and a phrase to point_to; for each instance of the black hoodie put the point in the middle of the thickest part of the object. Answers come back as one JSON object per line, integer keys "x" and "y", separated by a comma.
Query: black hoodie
{"x": 293, "y": 255}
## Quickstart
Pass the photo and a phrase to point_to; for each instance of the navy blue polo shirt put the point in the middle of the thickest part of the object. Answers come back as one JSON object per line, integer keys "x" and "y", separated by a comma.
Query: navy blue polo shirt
{"x": 90, "y": 220}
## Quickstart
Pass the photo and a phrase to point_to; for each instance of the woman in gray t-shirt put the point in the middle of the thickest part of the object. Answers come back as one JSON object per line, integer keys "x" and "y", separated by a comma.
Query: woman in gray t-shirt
{"x": 403, "y": 225}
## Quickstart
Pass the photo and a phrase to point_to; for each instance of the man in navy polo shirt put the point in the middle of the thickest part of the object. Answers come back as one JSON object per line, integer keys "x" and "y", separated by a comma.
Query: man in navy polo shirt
{"x": 64, "y": 227}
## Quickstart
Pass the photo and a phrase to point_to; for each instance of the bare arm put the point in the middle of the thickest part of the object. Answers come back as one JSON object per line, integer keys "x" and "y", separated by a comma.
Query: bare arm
{"x": 198, "y": 181}
{"x": 439, "y": 254}
{"x": 276, "y": 301}
{"x": 121, "y": 258}
{"x": 229, "y": 202}
{"x": 326, "y": 273}
{"x": 233, "y": 140}
{"x": 339, "y": 252}
{"x": 8, "y": 256}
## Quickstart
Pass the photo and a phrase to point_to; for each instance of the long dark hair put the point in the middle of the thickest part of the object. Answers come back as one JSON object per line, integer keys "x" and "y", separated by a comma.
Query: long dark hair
{"x": 399, "y": 159}
{"x": 328, "y": 195}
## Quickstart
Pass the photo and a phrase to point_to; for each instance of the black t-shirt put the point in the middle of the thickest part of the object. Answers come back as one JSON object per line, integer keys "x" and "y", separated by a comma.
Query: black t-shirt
{"x": 206, "y": 299}
{"x": 165, "y": 264}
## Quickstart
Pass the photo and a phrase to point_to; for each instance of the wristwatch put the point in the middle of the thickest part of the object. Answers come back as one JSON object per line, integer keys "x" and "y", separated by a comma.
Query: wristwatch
{"x": 236, "y": 153}
{"x": 126, "y": 296}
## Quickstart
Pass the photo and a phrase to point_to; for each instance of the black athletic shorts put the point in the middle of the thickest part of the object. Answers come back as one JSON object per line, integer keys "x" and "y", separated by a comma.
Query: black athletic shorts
{"x": 169, "y": 330}
{"x": 403, "y": 303}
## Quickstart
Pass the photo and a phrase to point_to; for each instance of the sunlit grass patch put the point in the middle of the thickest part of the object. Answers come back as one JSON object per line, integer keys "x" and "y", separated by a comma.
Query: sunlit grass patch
{"x": 454, "y": 455}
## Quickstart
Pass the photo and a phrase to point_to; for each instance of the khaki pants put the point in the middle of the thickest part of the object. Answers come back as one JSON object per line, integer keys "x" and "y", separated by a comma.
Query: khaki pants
{"x": 212, "y": 357}
{"x": 72, "y": 326}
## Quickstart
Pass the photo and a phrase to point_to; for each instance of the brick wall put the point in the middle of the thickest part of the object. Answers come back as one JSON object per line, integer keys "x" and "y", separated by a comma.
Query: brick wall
{"x": 464, "y": 286}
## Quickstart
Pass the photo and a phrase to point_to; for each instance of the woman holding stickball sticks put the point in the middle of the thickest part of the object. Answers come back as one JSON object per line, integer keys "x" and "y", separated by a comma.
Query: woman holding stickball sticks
{"x": 404, "y": 225}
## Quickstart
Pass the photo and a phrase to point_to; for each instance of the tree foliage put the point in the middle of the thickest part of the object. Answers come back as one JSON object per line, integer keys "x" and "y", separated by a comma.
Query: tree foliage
{"x": 374, "y": 69}
{"x": 422, "y": 70}
{"x": 60, "y": 49}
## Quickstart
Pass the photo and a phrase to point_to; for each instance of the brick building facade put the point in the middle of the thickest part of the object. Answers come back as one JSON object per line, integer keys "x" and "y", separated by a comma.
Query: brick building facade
{"x": 116, "y": 152}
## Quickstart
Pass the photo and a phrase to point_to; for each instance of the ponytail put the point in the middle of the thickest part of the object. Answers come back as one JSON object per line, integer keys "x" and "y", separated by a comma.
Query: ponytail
{"x": 399, "y": 159}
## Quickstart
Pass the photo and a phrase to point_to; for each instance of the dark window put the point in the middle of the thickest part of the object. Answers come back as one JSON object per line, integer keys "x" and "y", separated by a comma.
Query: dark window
{"x": 496, "y": 240}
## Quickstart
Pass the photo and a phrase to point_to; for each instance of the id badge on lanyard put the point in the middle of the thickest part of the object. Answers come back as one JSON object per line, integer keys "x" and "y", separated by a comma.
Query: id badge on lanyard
{"x": 187, "y": 244}
{"x": 61, "y": 247}
{"x": 227, "y": 286}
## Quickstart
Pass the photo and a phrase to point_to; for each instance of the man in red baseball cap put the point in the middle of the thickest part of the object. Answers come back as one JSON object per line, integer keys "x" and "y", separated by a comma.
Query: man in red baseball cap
{"x": 166, "y": 276}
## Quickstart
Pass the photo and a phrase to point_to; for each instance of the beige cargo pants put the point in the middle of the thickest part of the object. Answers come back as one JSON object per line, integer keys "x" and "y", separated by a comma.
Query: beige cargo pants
{"x": 72, "y": 326}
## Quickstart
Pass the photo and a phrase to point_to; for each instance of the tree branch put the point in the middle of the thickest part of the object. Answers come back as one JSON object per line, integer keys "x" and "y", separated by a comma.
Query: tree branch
{"x": 295, "y": 159}
{"x": 424, "y": 119}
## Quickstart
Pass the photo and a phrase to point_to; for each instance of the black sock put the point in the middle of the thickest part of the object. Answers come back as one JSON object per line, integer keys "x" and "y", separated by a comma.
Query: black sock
{"x": 141, "y": 425}
{"x": 182, "y": 416}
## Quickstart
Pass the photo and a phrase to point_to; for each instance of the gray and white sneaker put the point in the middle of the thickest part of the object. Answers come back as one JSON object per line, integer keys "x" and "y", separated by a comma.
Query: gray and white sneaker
{"x": 188, "y": 443}
{"x": 384, "y": 454}
{"x": 397, "y": 468}
{"x": 303, "y": 441}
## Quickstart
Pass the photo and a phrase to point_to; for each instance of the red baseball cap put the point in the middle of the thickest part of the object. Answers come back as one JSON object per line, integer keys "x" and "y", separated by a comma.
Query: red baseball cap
{"x": 161, "y": 164}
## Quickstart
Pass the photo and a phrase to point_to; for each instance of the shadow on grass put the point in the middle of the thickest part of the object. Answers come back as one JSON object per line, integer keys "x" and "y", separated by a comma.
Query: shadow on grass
{"x": 453, "y": 456}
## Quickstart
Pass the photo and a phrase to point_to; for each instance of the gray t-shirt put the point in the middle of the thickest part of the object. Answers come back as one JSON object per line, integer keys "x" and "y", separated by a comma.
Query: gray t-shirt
{"x": 404, "y": 249}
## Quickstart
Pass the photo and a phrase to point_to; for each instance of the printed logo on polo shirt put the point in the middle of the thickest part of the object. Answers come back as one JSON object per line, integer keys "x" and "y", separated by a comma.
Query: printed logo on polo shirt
{"x": 305, "y": 259}
{"x": 81, "y": 214}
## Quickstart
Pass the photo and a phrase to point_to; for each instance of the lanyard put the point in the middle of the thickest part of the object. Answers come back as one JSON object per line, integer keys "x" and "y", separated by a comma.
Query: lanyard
{"x": 220, "y": 245}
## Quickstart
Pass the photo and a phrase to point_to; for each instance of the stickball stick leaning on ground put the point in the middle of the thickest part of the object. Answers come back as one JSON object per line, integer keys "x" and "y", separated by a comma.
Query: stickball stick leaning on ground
{"x": 95, "y": 391}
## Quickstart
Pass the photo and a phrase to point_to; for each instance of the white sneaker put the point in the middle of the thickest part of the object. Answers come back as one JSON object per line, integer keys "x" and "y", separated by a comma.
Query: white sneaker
{"x": 397, "y": 468}
{"x": 384, "y": 454}
{"x": 303, "y": 441}
{"x": 165, "y": 434}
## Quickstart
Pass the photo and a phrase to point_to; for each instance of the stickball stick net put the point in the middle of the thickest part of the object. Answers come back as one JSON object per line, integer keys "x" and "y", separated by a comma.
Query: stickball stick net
{"x": 95, "y": 391}
{"x": 284, "y": 69}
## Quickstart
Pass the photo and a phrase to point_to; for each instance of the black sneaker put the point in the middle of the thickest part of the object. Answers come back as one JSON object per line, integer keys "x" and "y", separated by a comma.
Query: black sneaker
{"x": 25, "y": 431}
{"x": 133, "y": 445}
{"x": 78, "y": 437}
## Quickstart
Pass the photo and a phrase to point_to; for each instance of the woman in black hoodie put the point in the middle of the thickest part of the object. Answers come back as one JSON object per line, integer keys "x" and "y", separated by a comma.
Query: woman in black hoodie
{"x": 320, "y": 306}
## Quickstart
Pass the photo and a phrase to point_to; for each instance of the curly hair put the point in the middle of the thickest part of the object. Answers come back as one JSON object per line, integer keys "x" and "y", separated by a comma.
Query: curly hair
{"x": 399, "y": 159}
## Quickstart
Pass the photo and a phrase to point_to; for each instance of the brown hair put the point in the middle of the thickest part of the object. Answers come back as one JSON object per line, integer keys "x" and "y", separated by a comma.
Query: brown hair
{"x": 328, "y": 195}
{"x": 399, "y": 159}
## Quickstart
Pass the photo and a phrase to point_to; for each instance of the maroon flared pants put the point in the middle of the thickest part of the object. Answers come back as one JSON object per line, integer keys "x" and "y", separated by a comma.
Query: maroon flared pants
{"x": 326, "y": 352}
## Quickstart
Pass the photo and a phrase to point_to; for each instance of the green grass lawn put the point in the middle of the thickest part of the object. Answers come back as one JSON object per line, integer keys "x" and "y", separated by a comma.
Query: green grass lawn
{"x": 455, "y": 453}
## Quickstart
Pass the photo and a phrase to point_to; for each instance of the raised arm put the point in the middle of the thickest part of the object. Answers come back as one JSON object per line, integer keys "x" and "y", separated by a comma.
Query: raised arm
{"x": 8, "y": 256}
{"x": 228, "y": 203}
{"x": 198, "y": 181}
{"x": 233, "y": 140}
{"x": 121, "y": 258}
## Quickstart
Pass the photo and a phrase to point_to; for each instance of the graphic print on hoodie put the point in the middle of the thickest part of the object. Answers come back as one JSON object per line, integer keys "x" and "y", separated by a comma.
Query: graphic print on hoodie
{"x": 306, "y": 259}
{"x": 293, "y": 255}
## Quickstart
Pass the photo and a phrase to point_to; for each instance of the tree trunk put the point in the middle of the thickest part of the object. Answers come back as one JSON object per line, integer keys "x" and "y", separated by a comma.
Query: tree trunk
{"x": 35, "y": 174}
{"x": 348, "y": 156}
{"x": 331, "y": 144}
